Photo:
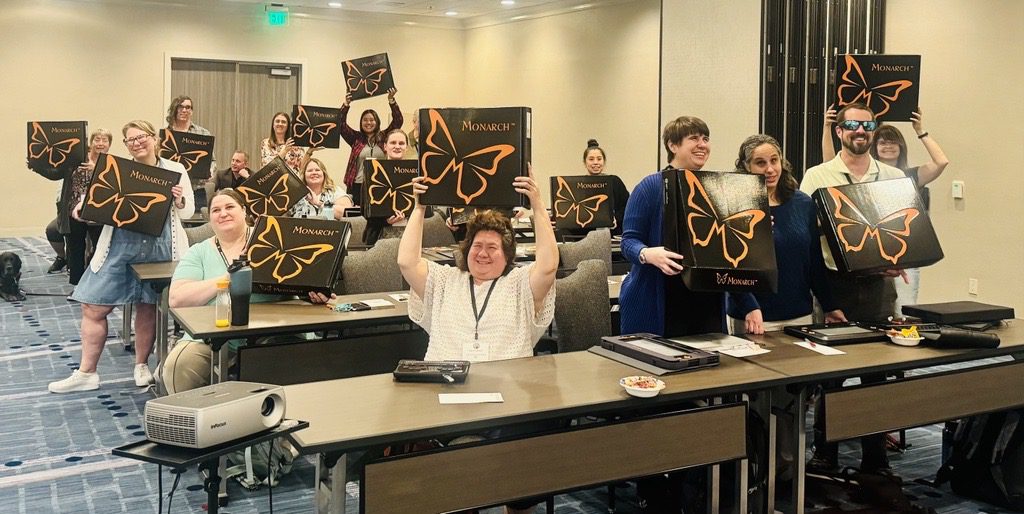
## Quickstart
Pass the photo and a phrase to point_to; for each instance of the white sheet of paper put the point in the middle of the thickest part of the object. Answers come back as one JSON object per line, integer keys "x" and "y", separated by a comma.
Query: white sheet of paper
{"x": 820, "y": 348}
{"x": 378, "y": 303}
{"x": 712, "y": 342}
{"x": 400, "y": 297}
{"x": 456, "y": 398}
{"x": 745, "y": 351}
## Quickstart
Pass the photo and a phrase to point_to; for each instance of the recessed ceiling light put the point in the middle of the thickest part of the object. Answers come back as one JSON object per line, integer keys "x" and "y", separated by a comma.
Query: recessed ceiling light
{"x": 334, "y": 4}
{"x": 451, "y": 13}
{"x": 508, "y": 2}
{"x": 520, "y": 17}
{"x": 409, "y": 22}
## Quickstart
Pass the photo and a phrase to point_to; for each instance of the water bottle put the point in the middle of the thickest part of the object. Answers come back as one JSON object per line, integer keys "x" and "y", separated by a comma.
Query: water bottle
{"x": 222, "y": 304}
{"x": 241, "y": 289}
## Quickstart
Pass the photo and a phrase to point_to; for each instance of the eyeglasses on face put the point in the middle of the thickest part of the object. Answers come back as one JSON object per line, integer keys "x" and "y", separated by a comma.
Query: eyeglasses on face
{"x": 129, "y": 141}
{"x": 869, "y": 126}
{"x": 184, "y": 107}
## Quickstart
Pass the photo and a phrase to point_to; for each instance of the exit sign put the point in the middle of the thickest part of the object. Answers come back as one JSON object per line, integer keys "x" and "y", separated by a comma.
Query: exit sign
{"x": 277, "y": 18}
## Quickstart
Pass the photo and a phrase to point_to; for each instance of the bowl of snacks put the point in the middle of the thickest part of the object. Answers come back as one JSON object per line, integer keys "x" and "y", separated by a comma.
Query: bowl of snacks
{"x": 905, "y": 336}
{"x": 642, "y": 386}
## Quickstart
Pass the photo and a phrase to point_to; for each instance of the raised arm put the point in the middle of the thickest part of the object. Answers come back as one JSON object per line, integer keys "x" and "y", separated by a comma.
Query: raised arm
{"x": 542, "y": 274}
{"x": 410, "y": 248}
{"x": 828, "y": 150}
{"x": 932, "y": 169}
{"x": 347, "y": 133}
{"x": 397, "y": 119}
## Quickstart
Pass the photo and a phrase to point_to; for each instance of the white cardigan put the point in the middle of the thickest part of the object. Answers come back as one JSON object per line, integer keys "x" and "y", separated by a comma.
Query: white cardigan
{"x": 179, "y": 241}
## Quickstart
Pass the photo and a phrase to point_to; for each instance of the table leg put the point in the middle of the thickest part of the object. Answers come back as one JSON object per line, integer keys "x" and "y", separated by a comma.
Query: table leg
{"x": 126, "y": 327}
{"x": 330, "y": 483}
{"x": 212, "y": 484}
{"x": 162, "y": 318}
{"x": 793, "y": 404}
{"x": 218, "y": 374}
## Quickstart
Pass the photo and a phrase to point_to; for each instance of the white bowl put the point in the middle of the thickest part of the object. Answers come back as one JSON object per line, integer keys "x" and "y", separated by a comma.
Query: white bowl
{"x": 641, "y": 392}
{"x": 906, "y": 341}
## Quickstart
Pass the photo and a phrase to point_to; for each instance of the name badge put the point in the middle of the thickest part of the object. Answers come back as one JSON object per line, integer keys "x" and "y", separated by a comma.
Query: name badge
{"x": 475, "y": 351}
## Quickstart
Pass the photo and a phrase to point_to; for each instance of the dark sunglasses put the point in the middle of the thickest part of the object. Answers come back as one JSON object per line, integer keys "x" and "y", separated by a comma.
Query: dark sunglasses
{"x": 869, "y": 126}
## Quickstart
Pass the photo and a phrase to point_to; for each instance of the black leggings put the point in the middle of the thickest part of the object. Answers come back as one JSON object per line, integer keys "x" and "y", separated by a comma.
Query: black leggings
{"x": 76, "y": 248}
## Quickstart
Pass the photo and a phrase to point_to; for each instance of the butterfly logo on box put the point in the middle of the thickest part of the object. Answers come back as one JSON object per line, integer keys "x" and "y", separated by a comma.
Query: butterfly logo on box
{"x": 356, "y": 80}
{"x": 854, "y": 87}
{"x": 472, "y": 169}
{"x": 288, "y": 262}
{"x": 317, "y": 132}
{"x": 127, "y": 206}
{"x": 381, "y": 190}
{"x": 274, "y": 203}
{"x": 566, "y": 203}
{"x": 705, "y": 223}
{"x": 854, "y": 229}
{"x": 169, "y": 150}
{"x": 56, "y": 153}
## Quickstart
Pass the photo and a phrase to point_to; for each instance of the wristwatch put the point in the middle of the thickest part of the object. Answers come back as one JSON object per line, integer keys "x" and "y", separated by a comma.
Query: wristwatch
{"x": 643, "y": 260}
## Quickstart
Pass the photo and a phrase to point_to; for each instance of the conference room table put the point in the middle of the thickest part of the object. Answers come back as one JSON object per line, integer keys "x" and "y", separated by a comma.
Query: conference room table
{"x": 378, "y": 411}
{"x": 158, "y": 275}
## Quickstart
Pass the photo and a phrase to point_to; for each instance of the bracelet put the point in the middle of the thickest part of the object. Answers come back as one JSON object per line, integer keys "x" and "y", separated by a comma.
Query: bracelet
{"x": 922, "y": 136}
{"x": 640, "y": 256}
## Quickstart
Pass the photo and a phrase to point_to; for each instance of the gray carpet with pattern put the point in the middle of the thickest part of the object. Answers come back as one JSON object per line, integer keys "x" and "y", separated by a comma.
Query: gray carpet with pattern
{"x": 55, "y": 450}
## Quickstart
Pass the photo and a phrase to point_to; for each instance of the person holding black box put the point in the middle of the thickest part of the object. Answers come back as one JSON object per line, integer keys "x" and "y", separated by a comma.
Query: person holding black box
{"x": 179, "y": 119}
{"x": 109, "y": 282}
{"x": 396, "y": 143}
{"x": 325, "y": 199}
{"x": 234, "y": 175}
{"x": 594, "y": 160}
{"x": 367, "y": 142}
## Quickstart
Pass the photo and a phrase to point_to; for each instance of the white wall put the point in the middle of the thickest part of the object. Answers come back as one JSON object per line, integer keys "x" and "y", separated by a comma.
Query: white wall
{"x": 972, "y": 67}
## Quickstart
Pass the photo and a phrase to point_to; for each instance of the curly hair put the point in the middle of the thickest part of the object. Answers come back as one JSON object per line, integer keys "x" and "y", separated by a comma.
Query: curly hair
{"x": 172, "y": 111}
{"x": 787, "y": 184}
{"x": 494, "y": 221}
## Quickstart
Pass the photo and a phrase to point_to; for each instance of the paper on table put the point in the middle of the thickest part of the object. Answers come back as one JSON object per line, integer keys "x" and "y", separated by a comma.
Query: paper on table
{"x": 744, "y": 351}
{"x": 454, "y": 398}
{"x": 377, "y": 303}
{"x": 820, "y": 348}
{"x": 400, "y": 297}
{"x": 712, "y": 342}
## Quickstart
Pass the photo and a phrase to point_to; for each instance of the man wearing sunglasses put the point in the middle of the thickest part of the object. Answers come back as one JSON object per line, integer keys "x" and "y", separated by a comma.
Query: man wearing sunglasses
{"x": 862, "y": 298}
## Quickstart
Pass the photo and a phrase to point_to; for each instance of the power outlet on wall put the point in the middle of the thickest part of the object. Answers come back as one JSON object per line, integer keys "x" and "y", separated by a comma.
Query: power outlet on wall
{"x": 972, "y": 286}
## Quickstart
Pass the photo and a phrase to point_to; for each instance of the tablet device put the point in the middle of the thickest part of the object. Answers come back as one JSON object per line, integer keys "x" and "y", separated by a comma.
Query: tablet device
{"x": 836, "y": 333}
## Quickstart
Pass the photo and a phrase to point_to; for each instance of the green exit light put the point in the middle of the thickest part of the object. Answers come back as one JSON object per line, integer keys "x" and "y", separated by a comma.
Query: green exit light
{"x": 277, "y": 18}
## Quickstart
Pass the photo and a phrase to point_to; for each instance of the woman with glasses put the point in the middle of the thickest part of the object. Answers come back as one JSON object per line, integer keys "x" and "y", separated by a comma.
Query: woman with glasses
{"x": 109, "y": 282}
{"x": 367, "y": 142}
{"x": 179, "y": 119}
{"x": 890, "y": 148}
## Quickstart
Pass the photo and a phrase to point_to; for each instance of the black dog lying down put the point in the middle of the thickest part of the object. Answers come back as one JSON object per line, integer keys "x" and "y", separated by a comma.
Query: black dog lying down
{"x": 10, "y": 274}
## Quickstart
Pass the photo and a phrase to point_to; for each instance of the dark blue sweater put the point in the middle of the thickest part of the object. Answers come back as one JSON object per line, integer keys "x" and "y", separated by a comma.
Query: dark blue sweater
{"x": 801, "y": 268}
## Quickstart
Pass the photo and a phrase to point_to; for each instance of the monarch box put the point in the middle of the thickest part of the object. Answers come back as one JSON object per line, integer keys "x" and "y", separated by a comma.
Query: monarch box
{"x": 296, "y": 255}
{"x": 874, "y": 226}
{"x": 388, "y": 187}
{"x": 193, "y": 151}
{"x": 469, "y": 156}
{"x": 56, "y": 144}
{"x": 315, "y": 126}
{"x": 129, "y": 195}
{"x": 272, "y": 190}
{"x": 888, "y": 84}
{"x": 582, "y": 202}
{"x": 368, "y": 76}
{"x": 720, "y": 222}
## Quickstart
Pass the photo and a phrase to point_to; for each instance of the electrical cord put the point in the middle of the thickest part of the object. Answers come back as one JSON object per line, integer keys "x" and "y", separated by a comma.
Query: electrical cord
{"x": 270, "y": 476}
{"x": 160, "y": 488}
{"x": 170, "y": 495}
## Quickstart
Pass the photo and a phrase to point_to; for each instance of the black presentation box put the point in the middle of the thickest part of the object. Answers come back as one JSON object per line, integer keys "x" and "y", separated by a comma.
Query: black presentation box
{"x": 889, "y": 84}
{"x": 470, "y": 156}
{"x": 582, "y": 202}
{"x": 129, "y": 195}
{"x": 315, "y": 126}
{"x": 296, "y": 255}
{"x": 272, "y": 190}
{"x": 875, "y": 226}
{"x": 388, "y": 187}
{"x": 56, "y": 144}
{"x": 368, "y": 76}
{"x": 193, "y": 151}
{"x": 720, "y": 222}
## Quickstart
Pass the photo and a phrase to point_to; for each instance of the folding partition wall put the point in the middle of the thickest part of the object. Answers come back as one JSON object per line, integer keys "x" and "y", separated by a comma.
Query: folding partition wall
{"x": 800, "y": 42}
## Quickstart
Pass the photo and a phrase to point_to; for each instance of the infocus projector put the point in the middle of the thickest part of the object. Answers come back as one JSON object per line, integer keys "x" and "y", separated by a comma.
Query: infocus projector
{"x": 214, "y": 414}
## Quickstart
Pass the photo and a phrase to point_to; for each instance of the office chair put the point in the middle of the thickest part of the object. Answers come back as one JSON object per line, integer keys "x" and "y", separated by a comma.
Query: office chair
{"x": 597, "y": 245}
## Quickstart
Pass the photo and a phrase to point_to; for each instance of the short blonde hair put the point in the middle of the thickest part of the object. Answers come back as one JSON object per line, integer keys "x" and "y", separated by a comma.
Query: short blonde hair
{"x": 328, "y": 183}
{"x": 100, "y": 132}
{"x": 142, "y": 125}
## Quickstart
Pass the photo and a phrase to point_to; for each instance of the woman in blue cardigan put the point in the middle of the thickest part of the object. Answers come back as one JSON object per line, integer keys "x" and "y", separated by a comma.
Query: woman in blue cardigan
{"x": 653, "y": 282}
{"x": 797, "y": 250}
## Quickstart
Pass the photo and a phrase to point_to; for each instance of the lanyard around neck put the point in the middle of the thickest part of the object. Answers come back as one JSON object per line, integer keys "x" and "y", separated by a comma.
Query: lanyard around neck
{"x": 221, "y": 250}
{"x": 849, "y": 178}
{"x": 477, "y": 315}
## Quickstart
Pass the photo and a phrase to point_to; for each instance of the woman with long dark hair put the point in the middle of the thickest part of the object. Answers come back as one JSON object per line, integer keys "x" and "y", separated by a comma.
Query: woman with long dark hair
{"x": 367, "y": 142}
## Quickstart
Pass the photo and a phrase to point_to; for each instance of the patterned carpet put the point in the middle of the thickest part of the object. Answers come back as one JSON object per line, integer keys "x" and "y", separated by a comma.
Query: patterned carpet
{"x": 55, "y": 449}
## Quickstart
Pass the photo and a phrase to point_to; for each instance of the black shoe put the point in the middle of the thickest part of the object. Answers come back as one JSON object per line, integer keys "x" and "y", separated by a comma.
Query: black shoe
{"x": 822, "y": 465}
{"x": 58, "y": 266}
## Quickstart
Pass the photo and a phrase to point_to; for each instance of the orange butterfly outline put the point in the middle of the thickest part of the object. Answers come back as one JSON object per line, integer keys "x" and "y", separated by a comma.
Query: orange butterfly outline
{"x": 259, "y": 203}
{"x": 439, "y": 147}
{"x": 57, "y": 153}
{"x": 370, "y": 83}
{"x": 317, "y": 133}
{"x": 127, "y": 206}
{"x": 169, "y": 150}
{"x": 380, "y": 189}
{"x": 856, "y": 89}
{"x": 735, "y": 229}
{"x": 566, "y": 202}
{"x": 290, "y": 262}
{"x": 890, "y": 229}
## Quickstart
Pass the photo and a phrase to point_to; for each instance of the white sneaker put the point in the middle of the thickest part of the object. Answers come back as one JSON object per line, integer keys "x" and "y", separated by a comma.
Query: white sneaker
{"x": 143, "y": 378}
{"x": 78, "y": 381}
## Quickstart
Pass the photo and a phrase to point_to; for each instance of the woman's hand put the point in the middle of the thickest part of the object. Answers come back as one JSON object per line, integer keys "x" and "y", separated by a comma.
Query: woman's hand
{"x": 179, "y": 196}
{"x": 527, "y": 186}
{"x": 348, "y": 100}
{"x": 76, "y": 212}
{"x": 755, "y": 322}
{"x": 835, "y": 316}
{"x": 662, "y": 259}
{"x": 313, "y": 199}
{"x": 282, "y": 152}
{"x": 391, "y": 95}
{"x": 320, "y": 298}
{"x": 87, "y": 166}
{"x": 399, "y": 216}
{"x": 915, "y": 121}
{"x": 830, "y": 117}
{"x": 418, "y": 188}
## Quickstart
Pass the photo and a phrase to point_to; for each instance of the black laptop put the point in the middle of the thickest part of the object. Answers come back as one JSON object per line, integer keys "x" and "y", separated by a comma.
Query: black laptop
{"x": 956, "y": 313}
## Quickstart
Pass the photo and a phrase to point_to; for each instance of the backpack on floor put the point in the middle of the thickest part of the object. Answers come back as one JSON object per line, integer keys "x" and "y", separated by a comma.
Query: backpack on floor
{"x": 987, "y": 459}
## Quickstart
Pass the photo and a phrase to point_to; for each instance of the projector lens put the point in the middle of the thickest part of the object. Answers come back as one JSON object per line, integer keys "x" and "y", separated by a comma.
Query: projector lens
{"x": 268, "y": 406}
